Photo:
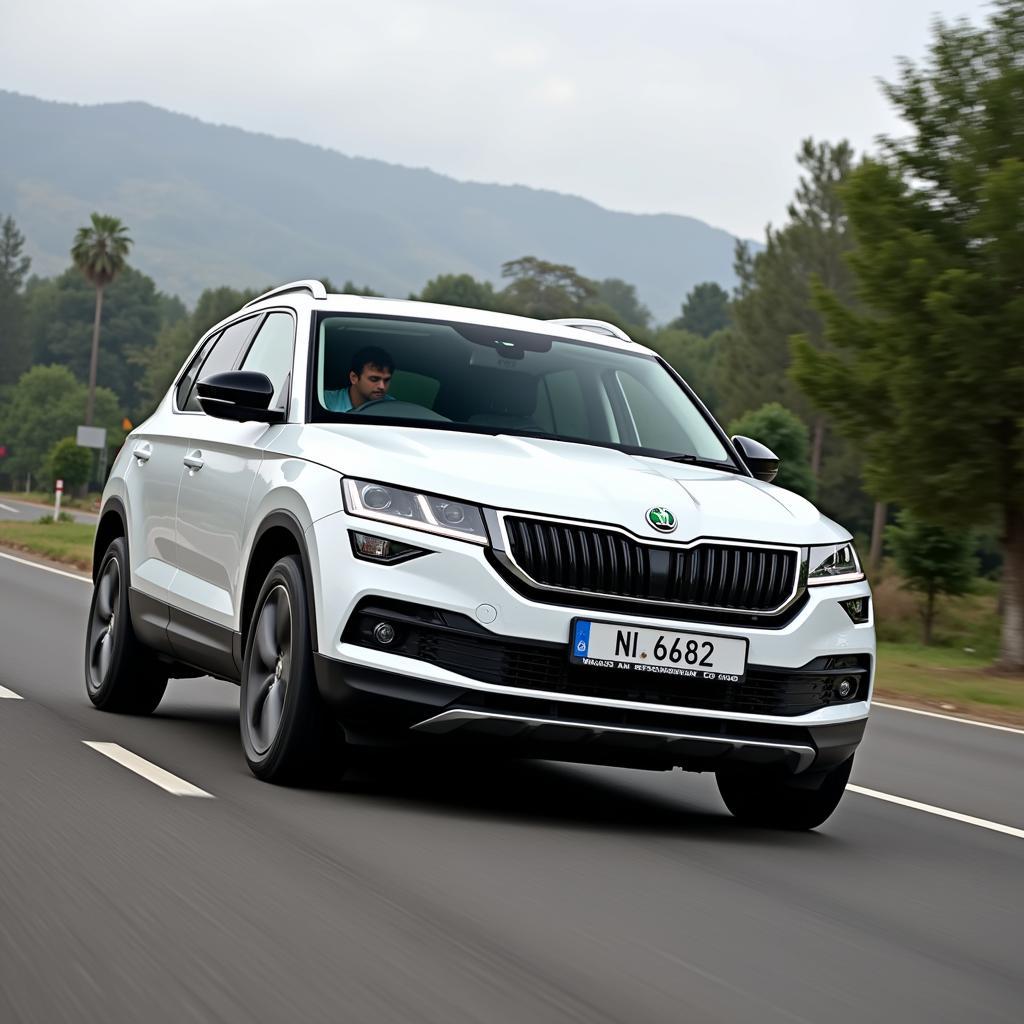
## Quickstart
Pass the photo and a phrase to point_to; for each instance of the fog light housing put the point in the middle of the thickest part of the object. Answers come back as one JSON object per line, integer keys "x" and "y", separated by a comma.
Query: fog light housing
{"x": 858, "y": 608}
{"x": 846, "y": 688}
{"x": 371, "y": 548}
{"x": 384, "y": 633}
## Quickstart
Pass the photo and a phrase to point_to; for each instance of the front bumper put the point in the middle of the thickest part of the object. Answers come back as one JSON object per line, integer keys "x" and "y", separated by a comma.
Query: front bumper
{"x": 377, "y": 691}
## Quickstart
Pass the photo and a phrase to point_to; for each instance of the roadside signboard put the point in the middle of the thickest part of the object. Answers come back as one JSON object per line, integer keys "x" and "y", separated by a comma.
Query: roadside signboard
{"x": 91, "y": 437}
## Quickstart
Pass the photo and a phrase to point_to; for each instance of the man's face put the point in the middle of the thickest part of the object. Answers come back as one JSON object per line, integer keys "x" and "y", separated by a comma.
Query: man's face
{"x": 371, "y": 384}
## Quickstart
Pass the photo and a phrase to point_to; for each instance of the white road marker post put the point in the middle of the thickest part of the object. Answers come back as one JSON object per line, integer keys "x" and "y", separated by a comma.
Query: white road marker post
{"x": 59, "y": 490}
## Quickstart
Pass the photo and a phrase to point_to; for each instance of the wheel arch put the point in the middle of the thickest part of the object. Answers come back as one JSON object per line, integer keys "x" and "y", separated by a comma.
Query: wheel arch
{"x": 279, "y": 534}
{"x": 113, "y": 523}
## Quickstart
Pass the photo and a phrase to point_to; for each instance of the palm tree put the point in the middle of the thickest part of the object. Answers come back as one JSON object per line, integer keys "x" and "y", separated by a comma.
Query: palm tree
{"x": 100, "y": 252}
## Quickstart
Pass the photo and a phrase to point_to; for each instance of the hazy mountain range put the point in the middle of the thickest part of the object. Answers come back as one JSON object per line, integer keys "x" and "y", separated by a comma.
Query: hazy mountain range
{"x": 209, "y": 205}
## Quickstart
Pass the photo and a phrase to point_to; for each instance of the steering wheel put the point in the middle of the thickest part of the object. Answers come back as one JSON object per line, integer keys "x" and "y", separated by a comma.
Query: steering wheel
{"x": 372, "y": 401}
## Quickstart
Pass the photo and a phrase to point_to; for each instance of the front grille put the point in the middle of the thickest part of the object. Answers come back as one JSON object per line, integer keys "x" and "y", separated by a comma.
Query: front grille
{"x": 589, "y": 560}
{"x": 455, "y": 643}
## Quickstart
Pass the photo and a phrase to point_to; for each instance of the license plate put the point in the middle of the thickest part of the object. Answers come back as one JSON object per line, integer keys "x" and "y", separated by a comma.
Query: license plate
{"x": 660, "y": 651}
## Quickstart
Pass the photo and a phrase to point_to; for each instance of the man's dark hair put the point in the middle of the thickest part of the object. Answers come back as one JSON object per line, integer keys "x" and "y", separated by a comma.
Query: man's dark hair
{"x": 371, "y": 356}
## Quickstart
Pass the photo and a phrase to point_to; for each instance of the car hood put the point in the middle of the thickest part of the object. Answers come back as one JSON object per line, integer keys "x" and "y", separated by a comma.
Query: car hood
{"x": 574, "y": 481}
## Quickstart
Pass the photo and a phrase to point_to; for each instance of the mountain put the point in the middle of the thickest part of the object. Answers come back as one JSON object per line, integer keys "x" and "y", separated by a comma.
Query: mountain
{"x": 209, "y": 205}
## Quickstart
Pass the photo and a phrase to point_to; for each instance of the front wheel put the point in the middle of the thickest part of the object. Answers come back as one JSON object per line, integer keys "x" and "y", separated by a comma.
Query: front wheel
{"x": 120, "y": 673}
{"x": 783, "y": 803}
{"x": 285, "y": 732}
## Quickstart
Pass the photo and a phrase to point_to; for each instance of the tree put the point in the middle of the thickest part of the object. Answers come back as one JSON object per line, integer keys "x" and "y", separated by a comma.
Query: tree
{"x": 547, "y": 291}
{"x": 705, "y": 310}
{"x": 14, "y": 266}
{"x": 68, "y": 462}
{"x": 100, "y": 251}
{"x": 693, "y": 357}
{"x": 44, "y": 406}
{"x": 58, "y": 320}
{"x": 933, "y": 560}
{"x": 774, "y": 301}
{"x": 930, "y": 369}
{"x": 621, "y": 297}
{"x": 459, "y": 290}
{"x": 786, "y": 434}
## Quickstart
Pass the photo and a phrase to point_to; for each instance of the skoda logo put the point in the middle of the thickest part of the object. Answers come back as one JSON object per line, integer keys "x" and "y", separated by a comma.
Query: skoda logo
{"x": 661, "y": 519}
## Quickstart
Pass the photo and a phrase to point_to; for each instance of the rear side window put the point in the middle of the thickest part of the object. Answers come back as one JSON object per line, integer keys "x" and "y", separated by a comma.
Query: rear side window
{"x": 222, "y": 356}
{"x": 271, "y": 354}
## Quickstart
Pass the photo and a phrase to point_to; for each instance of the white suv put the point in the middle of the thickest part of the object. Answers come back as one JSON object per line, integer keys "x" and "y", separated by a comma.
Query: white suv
{"x": 538, "y": 542}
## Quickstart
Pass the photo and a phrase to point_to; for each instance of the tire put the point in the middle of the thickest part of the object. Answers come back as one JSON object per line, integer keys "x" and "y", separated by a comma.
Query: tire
{"x": 286, "y": 735}
{"x": 121, "y": 674}
{"x": 785, "y": 803}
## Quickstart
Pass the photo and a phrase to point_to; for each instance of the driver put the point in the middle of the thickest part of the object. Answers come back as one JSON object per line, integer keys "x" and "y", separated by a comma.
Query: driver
{"x": 369, "y": 379}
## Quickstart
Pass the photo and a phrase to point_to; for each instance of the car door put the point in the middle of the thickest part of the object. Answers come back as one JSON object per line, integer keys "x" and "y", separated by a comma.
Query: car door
{"x": 220, "y": 466}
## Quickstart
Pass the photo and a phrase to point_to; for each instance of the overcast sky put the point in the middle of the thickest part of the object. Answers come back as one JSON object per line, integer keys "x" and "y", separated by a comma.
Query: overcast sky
{"x": 648, "y": 106}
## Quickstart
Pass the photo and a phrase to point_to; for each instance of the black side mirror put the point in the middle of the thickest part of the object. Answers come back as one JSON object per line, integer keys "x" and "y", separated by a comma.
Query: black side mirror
{"x": 761, "y": 461}
{"x": 239, "y": 395}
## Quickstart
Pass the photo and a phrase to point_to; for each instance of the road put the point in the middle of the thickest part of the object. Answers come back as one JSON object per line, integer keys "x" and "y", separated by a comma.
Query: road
{"x": 29, "y": 511}
{"x": 451, "y": 893}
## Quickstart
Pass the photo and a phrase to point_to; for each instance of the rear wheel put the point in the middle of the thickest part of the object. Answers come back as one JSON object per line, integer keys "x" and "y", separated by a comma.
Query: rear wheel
{"x": 285, "y": 732}
{"x": 783, "y": 803}
{"x": 120, "y": 673}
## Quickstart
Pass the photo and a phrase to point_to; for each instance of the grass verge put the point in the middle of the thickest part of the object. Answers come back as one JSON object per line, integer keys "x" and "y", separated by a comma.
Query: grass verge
{"x": 70, "y": 543}
{"x": 950, "y": 681}
{"x": 90, "y": 503}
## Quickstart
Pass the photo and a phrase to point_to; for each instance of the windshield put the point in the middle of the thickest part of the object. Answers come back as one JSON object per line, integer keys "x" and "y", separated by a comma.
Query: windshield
{"x": 485, "y": 379}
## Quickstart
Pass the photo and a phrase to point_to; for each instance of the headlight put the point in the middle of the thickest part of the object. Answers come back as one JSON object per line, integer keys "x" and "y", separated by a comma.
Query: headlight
{"x": 833, "y": 563}
{"x": 417, "y": 511}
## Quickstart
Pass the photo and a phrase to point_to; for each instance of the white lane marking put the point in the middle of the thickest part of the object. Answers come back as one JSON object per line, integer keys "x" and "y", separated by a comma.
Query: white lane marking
{"x": 6, "y": 694}
{"x": 47, "y": 568}
{"x": 916, "y": 805}
{"x": 16, "y": 511}
{"x": 152, "y": 773}
{"x": 947, "y": 718}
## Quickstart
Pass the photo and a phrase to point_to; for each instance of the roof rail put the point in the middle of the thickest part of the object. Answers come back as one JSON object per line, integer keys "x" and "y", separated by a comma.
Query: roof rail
{"x": 596, "y": 326}
{"x": 315, "y": 288}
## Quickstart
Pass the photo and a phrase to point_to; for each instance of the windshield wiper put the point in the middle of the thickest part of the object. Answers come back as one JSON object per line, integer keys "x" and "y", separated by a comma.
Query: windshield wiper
{"x": 696, "y": 460}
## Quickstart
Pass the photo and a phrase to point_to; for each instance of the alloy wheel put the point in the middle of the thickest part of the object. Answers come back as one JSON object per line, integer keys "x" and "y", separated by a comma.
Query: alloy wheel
{"x": 269, "y": 669}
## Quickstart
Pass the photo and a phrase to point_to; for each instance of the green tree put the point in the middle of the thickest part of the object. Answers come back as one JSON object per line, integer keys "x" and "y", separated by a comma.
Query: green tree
{"x": 774, "y": 300}
{"x": 547, "y": 291}
{"x": 459, "y": 290}
{"x": 786, "y": 434}
{"x": 15, "y": 355}
{"x": 620, "y": 297}
{"x": 693, "y": 357}
{"x": 44, "y": 406}
{"x": 68, "y": 462}
{"x": 705, "y": 310}
{"x": 930, "y": 372}
{"x": 59, "y": 311}
{"x": 933, "y": 560}
{"x": 100, "y": 251}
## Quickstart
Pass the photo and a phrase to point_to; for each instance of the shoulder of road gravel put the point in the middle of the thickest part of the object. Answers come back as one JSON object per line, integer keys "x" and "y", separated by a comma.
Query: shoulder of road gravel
{"x": 948, "y": 683}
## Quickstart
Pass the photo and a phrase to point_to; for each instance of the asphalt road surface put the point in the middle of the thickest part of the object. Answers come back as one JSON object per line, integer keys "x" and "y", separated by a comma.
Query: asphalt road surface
{"x": 461, "y": 892}
{"x": 29, "y": 511}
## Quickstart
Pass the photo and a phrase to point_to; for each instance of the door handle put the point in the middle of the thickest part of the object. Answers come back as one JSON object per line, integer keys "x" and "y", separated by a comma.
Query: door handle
{"x": 143, "y": 451}
{"x": 194, "y": 461}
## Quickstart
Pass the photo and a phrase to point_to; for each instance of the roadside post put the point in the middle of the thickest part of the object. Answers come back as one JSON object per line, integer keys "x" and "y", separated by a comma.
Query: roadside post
{"x": 58, "y": 491}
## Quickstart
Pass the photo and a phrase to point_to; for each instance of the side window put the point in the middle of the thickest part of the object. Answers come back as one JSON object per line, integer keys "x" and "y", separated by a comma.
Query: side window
{"x": 188, "y": 378}
{"x": 222, "y": 356}
{"x": 271, "y": 353}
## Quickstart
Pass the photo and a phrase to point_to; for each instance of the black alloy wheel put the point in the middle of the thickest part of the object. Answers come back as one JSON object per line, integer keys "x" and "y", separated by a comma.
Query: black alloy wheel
{"x": 287, "y": 734}
{"x": 120, "y": 673}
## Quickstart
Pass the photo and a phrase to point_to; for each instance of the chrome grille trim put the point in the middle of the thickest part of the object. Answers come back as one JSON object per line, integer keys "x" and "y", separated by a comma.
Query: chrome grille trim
{"x": 637, "y": 557}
